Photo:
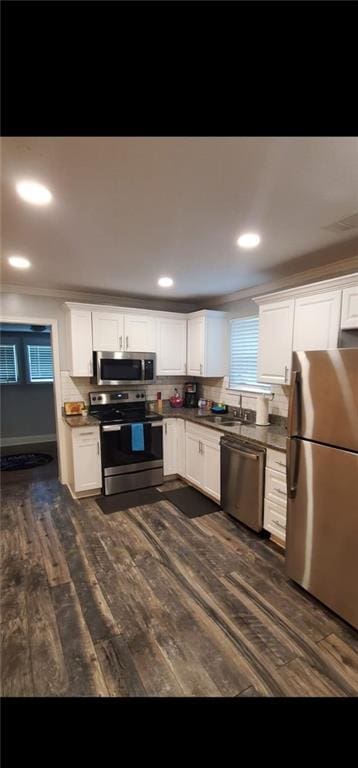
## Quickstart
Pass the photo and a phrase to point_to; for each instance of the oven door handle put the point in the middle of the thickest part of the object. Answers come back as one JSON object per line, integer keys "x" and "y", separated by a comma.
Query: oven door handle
{"x": 117, "y": 427}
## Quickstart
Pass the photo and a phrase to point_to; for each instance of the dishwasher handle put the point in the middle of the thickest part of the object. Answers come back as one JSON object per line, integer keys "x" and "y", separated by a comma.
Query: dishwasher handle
{"x": 248, "y": 453}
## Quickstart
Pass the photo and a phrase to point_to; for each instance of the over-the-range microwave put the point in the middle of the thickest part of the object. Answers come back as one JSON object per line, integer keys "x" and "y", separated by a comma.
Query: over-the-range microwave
{"x": 112, "y": 368}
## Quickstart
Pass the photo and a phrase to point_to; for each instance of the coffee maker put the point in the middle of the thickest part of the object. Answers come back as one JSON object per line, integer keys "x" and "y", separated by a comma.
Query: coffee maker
{"x": 191, "y": 394}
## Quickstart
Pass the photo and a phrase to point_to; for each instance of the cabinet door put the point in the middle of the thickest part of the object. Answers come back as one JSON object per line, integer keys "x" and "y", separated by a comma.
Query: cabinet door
{"x": 196, "y": 345}
{"x": 350, "y": 308}
{"x": 316, "y": 322}
{"x": 87, "y": 460}
{"x": 193, "y": 460}
{"x": 169, "y": 447}
{"x": 275, "y": 341}
{"x": 211, "y": 469}
{"x": 79, "y": 328}
{"x": 139, "y": 332}
{"x": 171, "y": 347}
{"x": 180, "y": 437}
{"x": 108, "y": 331}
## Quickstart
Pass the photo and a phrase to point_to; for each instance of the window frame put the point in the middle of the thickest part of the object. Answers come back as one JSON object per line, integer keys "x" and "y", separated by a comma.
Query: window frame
{"x": 13, "y": 342}
{"x": 253, "y": 389}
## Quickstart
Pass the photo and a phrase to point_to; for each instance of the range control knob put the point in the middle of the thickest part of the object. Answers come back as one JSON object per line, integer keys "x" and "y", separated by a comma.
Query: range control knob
{"x": 137, "y": 395}
{"x": 94, "y": 398}
{"x": 142, "y": 395}
{"x": 99, "y": 397}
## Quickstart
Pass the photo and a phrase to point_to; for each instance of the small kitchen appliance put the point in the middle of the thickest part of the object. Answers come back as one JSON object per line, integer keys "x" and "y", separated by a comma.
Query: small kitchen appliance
{"x": 191, "y": 394}
{"x": 115, "y": 368}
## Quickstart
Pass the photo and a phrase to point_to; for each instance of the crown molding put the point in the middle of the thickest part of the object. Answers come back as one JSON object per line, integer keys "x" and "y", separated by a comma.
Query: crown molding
{"x": 102, "y": 298}
{"x": 315, "y": 274}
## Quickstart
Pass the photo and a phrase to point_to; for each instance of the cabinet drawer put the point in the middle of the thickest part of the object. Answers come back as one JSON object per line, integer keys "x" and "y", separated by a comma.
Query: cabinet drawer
{"x": 203, "y": 433}
{"x": 83, "y": 435}
{"x": 276, "y": 460}
{"x": 275, "y": 487}
{"x": 274, "y": 519}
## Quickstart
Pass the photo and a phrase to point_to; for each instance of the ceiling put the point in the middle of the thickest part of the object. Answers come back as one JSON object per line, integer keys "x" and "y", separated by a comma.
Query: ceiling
{"x": 126, "y": 211}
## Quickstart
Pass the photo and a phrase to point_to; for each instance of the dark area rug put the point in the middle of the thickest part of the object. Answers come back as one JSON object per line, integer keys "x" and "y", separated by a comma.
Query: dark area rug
{"x": 121, "y": 501}
{"x": 191, "y": 502}
{"x": 24, "y": 461}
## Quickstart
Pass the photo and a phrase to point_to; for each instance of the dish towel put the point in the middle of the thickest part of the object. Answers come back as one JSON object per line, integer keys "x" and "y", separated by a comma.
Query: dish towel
{"x": 137, "y": 437}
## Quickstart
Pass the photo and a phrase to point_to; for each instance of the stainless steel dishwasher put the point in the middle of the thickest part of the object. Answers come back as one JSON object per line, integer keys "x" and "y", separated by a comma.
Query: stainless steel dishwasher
{"x": 242, "y": 481}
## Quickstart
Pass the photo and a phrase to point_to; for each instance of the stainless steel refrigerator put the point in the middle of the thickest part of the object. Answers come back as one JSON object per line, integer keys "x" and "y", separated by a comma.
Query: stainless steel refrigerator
{"x": 322, "y": 478}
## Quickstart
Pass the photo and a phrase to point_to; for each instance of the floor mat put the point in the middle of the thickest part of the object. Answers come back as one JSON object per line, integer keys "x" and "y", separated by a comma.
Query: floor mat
{"x": 191, "y": 502}
{"x": 121, "y": 501}
{"x": 24, "y": 461}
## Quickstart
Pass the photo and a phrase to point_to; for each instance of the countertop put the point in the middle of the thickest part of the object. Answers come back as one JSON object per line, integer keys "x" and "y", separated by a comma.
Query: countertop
{"x": 81, "y": 421}
{"x": 273, "y": 436}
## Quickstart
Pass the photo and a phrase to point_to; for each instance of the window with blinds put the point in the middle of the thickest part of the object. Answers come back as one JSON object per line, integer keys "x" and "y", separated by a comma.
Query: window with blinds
{"x": 8, "y": 364}
{"x": 40, "y": 363}
{"x": 243, "y": 355}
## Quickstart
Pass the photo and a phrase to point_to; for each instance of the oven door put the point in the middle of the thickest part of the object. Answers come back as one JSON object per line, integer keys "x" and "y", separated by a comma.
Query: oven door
{"x": 118, "y": 456}
{"x": 112, "y": 368}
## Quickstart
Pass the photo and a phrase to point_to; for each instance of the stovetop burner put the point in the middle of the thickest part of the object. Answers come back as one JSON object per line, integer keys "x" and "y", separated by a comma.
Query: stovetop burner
{"x": 120, "y": 407}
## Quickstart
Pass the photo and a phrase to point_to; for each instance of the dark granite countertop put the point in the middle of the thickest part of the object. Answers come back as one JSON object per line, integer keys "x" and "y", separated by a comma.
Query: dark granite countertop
{"x": 273, "y": 436}
{"x": 81, "y": 421}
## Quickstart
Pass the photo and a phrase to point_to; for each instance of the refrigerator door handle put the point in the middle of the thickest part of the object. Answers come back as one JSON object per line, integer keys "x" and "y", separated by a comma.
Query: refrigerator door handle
{"x": 291, "y": 468}
{"x": 292, "y": 424}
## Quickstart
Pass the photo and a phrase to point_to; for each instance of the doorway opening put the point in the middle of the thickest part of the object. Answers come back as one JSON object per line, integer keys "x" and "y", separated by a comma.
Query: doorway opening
{"x": 28, "y": 414}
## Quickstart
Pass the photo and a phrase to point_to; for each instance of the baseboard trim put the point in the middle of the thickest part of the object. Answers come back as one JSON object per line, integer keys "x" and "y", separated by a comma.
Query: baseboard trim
{"x": 27, "y": 440}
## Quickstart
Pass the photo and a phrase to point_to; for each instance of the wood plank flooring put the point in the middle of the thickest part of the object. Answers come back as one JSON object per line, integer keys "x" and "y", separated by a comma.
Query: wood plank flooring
{"x": 146, "y": 602}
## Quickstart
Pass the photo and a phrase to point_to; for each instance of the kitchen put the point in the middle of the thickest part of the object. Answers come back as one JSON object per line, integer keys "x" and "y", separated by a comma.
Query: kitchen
{"x": 206, "y": 437}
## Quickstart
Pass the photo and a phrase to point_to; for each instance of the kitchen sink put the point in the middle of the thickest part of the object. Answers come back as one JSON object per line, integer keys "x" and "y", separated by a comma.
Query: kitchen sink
{"x": 226, "y": 421}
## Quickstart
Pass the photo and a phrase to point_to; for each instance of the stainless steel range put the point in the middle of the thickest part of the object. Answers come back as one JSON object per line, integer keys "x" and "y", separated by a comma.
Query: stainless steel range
{"x": 131, "y": 440}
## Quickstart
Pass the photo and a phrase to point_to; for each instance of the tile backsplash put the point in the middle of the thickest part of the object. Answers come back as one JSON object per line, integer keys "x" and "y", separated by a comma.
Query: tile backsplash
{"x": 77, "y": 388}
{"x": 216, "y": 389}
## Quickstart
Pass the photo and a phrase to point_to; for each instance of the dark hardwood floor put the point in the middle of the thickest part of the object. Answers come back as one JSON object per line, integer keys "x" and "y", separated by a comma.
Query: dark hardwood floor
{"x": 149, "y": 603}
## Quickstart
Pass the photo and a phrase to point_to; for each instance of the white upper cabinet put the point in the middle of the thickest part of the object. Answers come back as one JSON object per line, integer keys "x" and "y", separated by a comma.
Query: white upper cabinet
{"x": 196, "y": 346}
{"x": 79, "y": 342}
{"x": 139, "y": 333}
{"x": 349, "y": 318}
{"x": 207, "y": 351}
{"x": 275, "y": 341}
{"x": 108, "y": 331}
{"x": 119, "y": 332}
{"x": 316, "y": 323}
{"x": 171, "y": 347}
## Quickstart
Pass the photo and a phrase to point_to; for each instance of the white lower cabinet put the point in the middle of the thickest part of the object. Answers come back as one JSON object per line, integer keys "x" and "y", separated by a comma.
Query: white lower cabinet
{"x": 170, "y": 446}
{"x": 193, "y": 452}
{"x": 202, "y": 458}
{"x": 85, "y": 473}
{"x": 194, "y": 469}
{"x": 211, "y": 472}
{"x": 275, "y": 502}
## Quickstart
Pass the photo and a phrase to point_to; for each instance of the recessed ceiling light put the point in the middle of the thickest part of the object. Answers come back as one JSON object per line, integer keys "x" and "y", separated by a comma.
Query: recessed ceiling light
{"x": 33, "y": 192}
{"x": 249, "y": 240}
{"x": 20, "y": 262}
{"x": 165, "y": 282}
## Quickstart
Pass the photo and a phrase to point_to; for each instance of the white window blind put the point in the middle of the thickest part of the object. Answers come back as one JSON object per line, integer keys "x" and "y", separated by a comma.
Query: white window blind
{"x": 8, "y": 364}
{"x": 40, "y": 363}
{"x": 243, "y": 354}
